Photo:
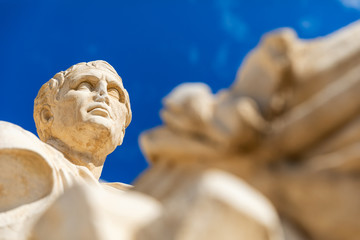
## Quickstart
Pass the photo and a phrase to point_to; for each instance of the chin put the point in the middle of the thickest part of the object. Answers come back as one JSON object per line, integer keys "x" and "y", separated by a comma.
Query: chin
{"x": 106, "y": 128}
{"x": 99, "y": 133}
{"x": 100, "y": 121}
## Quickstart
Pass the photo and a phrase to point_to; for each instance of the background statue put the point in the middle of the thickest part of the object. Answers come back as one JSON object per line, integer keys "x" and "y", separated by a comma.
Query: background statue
{"x": 289, "y": 126}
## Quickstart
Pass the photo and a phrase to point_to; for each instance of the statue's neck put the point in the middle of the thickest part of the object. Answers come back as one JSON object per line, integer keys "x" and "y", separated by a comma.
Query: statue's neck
{"x": 91, "y": 160}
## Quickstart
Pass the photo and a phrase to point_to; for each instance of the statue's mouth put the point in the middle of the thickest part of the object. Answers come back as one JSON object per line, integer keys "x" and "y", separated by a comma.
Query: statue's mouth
{"x": 99, "y": 110}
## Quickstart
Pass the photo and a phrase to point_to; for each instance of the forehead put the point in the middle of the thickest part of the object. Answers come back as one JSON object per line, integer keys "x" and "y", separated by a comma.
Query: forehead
{"x": 93, "y": 74}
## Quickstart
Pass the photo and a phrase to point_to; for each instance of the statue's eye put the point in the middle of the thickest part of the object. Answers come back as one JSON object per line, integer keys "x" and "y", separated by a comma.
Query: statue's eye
{"x": 113, "y": 92}
{"x": 84, "y": 86}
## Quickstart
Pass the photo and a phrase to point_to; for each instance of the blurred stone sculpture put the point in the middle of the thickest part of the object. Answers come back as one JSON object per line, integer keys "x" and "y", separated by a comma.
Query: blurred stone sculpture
{"x": 289, "y": 126}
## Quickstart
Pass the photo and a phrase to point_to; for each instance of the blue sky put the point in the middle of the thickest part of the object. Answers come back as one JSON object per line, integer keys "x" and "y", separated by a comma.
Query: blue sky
{"x": 154, "y": 46}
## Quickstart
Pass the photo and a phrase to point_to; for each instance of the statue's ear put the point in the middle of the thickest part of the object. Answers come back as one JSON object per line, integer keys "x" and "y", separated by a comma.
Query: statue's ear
{"x": 46, "y": 115}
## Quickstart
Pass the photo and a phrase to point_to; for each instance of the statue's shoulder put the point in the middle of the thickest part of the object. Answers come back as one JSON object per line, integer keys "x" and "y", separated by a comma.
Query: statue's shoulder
{"x": 26, "y": 173}
{"x": 13, "y": 136}
{"x": 18, "y": 143}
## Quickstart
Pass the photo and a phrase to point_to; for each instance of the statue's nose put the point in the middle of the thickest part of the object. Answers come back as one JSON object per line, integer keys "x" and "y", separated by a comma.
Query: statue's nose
{"x": 102, "y": 94}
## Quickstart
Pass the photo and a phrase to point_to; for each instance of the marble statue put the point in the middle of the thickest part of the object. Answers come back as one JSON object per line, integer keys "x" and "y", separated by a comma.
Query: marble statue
{"x": 81, "y": 115}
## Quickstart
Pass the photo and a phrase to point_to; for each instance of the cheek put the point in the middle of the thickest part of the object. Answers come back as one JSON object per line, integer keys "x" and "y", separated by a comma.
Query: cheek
{"x": 70, "y": 105}
{"x": 78, "y": 98}
{"x": 119, "y": 112}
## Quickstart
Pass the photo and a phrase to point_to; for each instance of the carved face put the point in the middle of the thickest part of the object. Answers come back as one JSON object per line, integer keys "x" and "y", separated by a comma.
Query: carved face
{"x": 90, "y": 108}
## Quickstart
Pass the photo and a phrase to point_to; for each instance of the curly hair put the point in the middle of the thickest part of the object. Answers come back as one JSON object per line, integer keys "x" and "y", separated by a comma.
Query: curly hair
{"x": 48, "y": 94}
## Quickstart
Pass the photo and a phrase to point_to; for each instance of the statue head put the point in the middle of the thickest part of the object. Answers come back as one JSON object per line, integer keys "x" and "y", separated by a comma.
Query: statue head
{"x": 85, "y": 108}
